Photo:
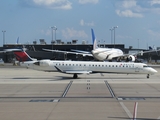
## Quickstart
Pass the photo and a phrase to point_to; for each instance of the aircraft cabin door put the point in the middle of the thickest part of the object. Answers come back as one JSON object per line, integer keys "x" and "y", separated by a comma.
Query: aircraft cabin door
{"x": 136, "y": 69}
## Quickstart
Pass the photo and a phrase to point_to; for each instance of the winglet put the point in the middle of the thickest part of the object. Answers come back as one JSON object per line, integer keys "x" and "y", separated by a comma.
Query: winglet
{"x": 94, "y": 40}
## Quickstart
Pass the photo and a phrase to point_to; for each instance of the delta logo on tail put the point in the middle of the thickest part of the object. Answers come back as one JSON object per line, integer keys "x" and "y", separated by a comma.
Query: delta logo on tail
{"x": 22, "y": 56}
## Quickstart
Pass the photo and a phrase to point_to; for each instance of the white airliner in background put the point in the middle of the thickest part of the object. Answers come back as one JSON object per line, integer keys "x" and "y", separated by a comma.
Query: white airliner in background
{"x": 83, "y": 67}
{"x": 103, "y": 54}
{"x": 100, "y": 54}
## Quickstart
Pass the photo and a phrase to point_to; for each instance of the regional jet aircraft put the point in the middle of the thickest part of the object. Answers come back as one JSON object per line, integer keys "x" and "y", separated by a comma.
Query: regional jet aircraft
{"x": 103, "y": 54}
{"x": 81, "y": 67}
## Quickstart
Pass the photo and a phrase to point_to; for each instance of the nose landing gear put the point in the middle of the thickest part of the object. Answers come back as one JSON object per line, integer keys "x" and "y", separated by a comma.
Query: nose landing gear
{"x": 147, "y": 75}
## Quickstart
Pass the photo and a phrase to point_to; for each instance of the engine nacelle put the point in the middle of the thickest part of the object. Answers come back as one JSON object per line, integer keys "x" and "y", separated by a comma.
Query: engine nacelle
{"x": 43, "y": 63}
{"x": 131, "y": 58}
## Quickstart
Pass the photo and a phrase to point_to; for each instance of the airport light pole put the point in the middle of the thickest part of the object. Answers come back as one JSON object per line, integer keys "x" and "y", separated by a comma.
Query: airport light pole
{"x": 52, "y": 33}
{"x": 138, "y": 43}
{"x": 114, "y": 34}
{"x": 3, "y": 36}
{"x": 52, "y": 37}
{"x": 111, "y": 33}
{"x": 55, "y": 28}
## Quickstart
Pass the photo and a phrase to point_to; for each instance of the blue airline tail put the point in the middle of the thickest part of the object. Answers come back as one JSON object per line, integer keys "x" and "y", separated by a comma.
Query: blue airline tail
{"x": 94, "y": 40}
{"x": 150, "y": 48}
{"x": 17, "y": 42}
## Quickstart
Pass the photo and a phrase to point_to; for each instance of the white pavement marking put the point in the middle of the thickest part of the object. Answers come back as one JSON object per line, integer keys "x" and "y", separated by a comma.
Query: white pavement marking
{"x": 158, "y": 118}
{"x": 126, "y": 110}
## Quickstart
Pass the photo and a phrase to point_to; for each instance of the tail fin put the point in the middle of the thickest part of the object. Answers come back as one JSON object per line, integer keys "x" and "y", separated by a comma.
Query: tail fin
{"x": 17, "y": 42}
{"x": 94, "y": 40}
{"x": 150, "y": 48}
{"x": 22, "y": 56}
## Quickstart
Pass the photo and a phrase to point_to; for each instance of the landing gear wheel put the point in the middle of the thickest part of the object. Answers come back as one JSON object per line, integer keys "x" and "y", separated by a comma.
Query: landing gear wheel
{"x": 75, "y": 76}
{"x": 148, "y": 76}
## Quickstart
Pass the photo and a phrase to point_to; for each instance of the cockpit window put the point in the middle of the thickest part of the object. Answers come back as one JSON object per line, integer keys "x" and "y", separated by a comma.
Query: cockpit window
{"x": 145, "y": 66}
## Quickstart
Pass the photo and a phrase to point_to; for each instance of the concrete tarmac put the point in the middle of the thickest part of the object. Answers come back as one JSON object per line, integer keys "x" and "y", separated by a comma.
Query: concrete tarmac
{"x": 27, "y": 94}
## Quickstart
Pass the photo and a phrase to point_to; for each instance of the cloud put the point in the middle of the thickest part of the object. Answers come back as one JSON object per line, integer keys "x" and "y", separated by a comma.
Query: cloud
{"x": 129, "y": 4}
{"x": 88, "y": 1}
{"x": 128, "y": 13}
{"x": 153, "y": 2}
{"x": 129, "y": 8}
{"x": 46, "y": 32}
{"x": 70, "y": 33}
{"x": 51, "y": 4}
{"x": 156, "y": 34}
{"x": 82, "y": 23}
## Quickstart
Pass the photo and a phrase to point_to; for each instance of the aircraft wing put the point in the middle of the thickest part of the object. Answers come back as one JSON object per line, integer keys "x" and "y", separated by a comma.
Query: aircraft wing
{"x": 137, "y": 53}
{"x": 10, "y": 50}
{"x": 66, "y": 52}
{"x": 142, "y": 52}
{"x": 81, "y": 51}
{"x": 73, "y": 71}
{"x": 2, "y": 51}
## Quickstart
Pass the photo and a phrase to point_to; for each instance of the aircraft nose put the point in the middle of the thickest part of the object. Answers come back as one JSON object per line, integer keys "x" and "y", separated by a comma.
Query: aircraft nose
{"x": 153, "y": 71}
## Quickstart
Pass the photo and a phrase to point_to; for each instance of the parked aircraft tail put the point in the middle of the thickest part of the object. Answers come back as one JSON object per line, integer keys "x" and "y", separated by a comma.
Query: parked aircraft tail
{"x": 22, "y": 56}
{"x": 150, "y": 48}
{"x": 95, "y": 46}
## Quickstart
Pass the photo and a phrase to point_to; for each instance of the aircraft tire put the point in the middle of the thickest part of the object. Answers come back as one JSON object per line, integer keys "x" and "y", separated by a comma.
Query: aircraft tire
{"x": 148, "y": 76}
{"x": 75, "y": 76}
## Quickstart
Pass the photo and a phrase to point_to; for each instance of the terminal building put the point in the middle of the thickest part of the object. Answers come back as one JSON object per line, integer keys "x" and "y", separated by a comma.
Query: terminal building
{"x": 35, "y": 50}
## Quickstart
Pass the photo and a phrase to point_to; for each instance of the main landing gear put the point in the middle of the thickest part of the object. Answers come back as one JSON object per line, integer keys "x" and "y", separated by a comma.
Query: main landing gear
{"x": 75, "y": 76}
{"x": 147, "y": 75}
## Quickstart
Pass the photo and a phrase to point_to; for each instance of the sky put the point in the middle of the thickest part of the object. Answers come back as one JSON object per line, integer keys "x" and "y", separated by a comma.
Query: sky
{"x": 138, "y": 21}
